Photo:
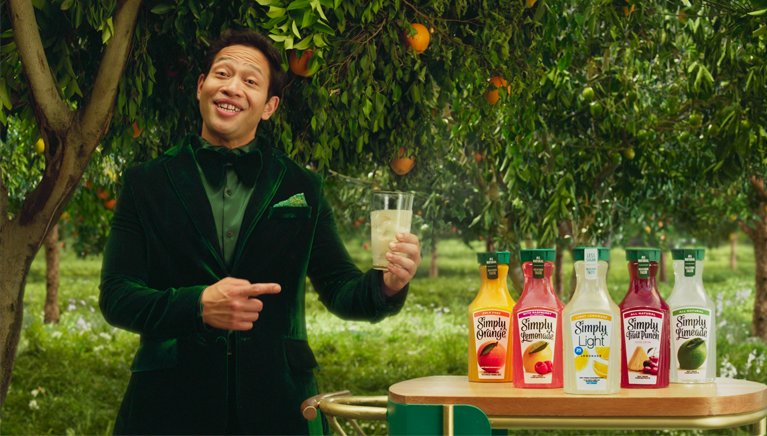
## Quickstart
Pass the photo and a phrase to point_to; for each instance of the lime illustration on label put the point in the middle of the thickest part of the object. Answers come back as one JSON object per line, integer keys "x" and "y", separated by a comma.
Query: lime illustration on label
{"x": 643, "y": 333}
{"x": 690, "y": 334}
{"x": 537, "y": 336}
{"x": 492, "y": 341}
{"x": 591, "y": 339}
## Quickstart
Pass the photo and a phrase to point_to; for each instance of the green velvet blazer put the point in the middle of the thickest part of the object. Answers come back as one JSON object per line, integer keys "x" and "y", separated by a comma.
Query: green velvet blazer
{"x": 163, "y": 251}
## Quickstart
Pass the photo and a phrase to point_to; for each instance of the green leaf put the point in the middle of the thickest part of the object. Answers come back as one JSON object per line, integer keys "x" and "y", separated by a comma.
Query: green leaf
{"x": 322, "y": 27}
{"x": 66, "y": 4}
{"x": 300, "y": 4}
{"x": 5, "y": 98}
{"x": 295, "y": 29}
{"x": 305, "y": 43}
{"x": 275, "y": 12}
{"x": 162, "y": 8}
{"x": 758, "y": 13}
{"x": 488, "y": 348}
{"x": 759, "y": 32}
{"x": 265, "y": 2}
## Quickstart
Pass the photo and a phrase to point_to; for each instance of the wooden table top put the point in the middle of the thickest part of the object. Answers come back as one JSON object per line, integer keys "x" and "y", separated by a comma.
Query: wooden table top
{"x": 724, "y": 397}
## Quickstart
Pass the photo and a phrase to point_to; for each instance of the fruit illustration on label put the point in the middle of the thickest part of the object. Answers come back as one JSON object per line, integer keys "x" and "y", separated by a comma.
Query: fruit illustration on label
{"x": 600, "y": 369}
{"x": 604, "y": 352}
{"x": 692, "y": 354}
{"x": 582, "y": 361}
{"x": 491, "y": 356}
{"x": 536, "y": 352}
{"x": 636, "y": 363}
{"x": 541, "y": 368}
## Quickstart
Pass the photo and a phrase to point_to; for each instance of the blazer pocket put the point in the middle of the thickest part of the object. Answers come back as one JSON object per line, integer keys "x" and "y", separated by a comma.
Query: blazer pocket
{"x": 299, "y": 355}
{"x": 152, "y": 355}
{"x": 286, "y": 212}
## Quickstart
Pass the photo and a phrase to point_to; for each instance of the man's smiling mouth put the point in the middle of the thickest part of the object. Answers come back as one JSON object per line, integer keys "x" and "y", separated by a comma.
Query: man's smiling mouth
{"x": 228, "y": 107}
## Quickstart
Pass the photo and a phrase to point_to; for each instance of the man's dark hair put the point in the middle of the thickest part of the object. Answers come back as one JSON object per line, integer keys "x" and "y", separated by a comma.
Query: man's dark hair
{"x": 250, "y": 38}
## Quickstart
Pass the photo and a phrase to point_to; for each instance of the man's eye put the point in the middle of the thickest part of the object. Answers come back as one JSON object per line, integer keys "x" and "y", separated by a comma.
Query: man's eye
{"x": 251, "y": 82}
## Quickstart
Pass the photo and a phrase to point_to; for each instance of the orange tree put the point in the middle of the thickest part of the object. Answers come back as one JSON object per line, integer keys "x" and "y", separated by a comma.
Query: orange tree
{"x": 106, "y": 71}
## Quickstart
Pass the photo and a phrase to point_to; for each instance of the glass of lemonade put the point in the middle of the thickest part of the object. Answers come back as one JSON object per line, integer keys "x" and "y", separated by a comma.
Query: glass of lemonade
{"x": 390, "y": 213}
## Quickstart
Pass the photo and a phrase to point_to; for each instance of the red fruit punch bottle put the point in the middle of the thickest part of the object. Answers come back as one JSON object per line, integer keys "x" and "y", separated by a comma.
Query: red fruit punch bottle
{"x": 645, "y": 325}
{"x": 537, "y": 325}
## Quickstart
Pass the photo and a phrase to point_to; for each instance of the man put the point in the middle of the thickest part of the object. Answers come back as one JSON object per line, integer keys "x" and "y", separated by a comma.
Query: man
{"x": 207, "y": 259}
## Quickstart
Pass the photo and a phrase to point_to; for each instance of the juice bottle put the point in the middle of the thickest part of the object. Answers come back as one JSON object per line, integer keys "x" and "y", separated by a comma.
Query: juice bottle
{"x": 537, "y": 320}
{"x": 645, "y": 324}
{"x": 591, "y": 328}
{"x": 490, "y": 342}
{"x": 693, "y": 321}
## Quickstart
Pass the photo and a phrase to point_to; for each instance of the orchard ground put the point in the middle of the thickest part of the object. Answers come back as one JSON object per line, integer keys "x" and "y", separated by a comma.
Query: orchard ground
{"x": 69, "y": 377}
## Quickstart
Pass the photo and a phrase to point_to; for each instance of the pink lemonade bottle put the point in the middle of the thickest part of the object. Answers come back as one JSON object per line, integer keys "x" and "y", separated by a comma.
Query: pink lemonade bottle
{"x": 645, "y": 325}
{"x": 537, "y": 325}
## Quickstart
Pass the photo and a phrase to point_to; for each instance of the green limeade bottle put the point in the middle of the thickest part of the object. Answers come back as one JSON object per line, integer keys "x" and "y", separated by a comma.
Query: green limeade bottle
{"x": 693, "y": 321}
{"x": 592, "y": 323}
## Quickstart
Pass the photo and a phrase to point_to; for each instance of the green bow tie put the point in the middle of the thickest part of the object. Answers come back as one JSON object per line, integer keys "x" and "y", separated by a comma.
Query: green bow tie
{"x": 213, "y": 164}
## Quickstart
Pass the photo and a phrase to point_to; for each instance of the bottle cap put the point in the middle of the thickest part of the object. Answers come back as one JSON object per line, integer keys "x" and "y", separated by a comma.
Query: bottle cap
{"x": 546, "y": 254}
{"x": 497, "y": 256}
{"x": 604, "y": 253}
{"x": 683, "y": 253}
{"x": 651, "y": 254}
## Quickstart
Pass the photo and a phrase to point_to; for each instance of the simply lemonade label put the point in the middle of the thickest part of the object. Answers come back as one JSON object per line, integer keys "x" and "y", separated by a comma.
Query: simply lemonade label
{"x": 591, "y": 339}
{"x": 491, "y": 334}
{"x": 690, "y": 327}
{"x": 537, "y": 340}
{"x": 642, "y": 330}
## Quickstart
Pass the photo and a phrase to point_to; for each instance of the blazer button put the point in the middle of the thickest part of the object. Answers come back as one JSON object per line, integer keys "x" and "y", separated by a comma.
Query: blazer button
{"x": 229, "y": 192}
{"x": 229, "y": 234}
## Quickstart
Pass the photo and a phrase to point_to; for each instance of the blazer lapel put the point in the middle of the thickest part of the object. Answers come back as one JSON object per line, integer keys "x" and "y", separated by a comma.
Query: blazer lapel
{"x": 185, "y": 177}
{"x": 266, "y": 186}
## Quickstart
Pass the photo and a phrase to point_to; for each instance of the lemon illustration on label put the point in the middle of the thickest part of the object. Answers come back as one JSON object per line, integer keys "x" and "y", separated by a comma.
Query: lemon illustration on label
{"x": 600, "y": 369}
{"x": 581, "y": 361}
{"x": 604, "y": 352}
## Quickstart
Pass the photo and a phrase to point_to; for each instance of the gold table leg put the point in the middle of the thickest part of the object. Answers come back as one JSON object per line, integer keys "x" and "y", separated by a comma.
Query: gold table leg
{"x": 447, "y": 420}
{"x": 759, "y": 428}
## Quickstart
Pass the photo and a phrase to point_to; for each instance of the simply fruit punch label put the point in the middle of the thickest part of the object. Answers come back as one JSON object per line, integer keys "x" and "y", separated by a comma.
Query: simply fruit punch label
{"x": 642, "y": 330}
{"x": 591, "y": 339}
{"x": 491, "y": 334}
{"x": 537, "y": 339}
{"x": 690, "y": 327}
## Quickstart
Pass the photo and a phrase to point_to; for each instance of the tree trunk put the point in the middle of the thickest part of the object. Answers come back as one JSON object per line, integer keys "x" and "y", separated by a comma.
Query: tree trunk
{"x": 515, "y": 274}
{"x": 529, "y": 241}
{"x": 70, "y": 139}
{"x": 663, "y": 276}
{"x": 489, "y": 244}
{"x": 758, "y": 235}
{"x": 733, "y": 246}
{"x": 433, "y": 269}
{"x": 559, "y": 274}
{"x": 52, "y": 275}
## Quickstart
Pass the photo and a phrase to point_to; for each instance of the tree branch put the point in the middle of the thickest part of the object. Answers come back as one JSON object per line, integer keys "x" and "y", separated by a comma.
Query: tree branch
{"x": 97, "y": 114}
{"x": 751, "y": 233}
{"x": 51, "y": 110}
{"x": 758, "y": 184}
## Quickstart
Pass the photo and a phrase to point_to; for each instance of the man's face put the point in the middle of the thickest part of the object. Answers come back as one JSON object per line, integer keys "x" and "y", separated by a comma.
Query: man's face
{"x": 233, "y": 96}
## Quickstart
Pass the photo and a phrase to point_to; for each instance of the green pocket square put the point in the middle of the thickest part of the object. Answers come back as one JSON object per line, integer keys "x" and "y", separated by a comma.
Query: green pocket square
{"x": 297, "y": 200}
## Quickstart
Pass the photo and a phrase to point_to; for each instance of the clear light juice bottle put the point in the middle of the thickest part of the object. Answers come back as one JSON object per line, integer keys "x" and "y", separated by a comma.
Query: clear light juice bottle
{"x": 645, "y": 325}
{"x": 537, "y": 321}
{"x": 693, "y": 321}
{"x": 592, "y": 328}
{"x": 490, "y": 340}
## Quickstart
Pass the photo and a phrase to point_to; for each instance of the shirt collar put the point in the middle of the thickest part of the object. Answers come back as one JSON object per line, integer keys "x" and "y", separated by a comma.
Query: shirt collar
{"x": 199, "y": 142}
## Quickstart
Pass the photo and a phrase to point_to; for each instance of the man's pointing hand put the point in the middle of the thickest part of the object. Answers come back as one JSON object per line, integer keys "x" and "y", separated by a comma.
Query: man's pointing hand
{"x": 232, "y": 304}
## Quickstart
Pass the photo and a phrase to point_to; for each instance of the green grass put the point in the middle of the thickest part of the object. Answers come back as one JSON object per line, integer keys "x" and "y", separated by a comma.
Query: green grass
{"x": 79, "y": 368}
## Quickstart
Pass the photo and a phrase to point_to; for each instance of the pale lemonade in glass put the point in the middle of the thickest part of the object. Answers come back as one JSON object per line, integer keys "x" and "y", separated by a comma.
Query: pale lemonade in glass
{"x": 391, "y": 213}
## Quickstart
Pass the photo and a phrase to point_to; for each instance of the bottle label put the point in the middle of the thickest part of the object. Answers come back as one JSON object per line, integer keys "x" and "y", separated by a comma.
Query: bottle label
{"x": 538, "y": 267}
{"x": 492, "y": 269}
{"x": 491, "y": 334}
{"x": 689, "y": 266}
{"x": 642, "y": 330}
{"x": 591, "y": 339}
{"x": 537, "y": 340}
{"x": 643, "y": 268}
{"x": 590, "y": 257}
{"x": 690, "y": 330}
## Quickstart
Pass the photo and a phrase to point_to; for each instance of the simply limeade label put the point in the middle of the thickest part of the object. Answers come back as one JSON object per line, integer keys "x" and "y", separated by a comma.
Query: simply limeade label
{"x": 642, "y": 330}
{"x": 537, "y": 337}
{"x": 492, "y": 340}
{"x": 591, "y": 339}
{"x": 689, "y": 331}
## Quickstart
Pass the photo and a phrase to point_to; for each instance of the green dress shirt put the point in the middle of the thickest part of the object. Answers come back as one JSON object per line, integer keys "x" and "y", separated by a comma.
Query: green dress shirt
{"x": 228, "y": 201}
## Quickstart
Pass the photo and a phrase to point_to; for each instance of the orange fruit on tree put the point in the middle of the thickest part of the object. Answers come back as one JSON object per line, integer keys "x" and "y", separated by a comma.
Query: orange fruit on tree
{"x": 110, "y": 204}
{"x": 136, "y": 130}
{"x": 402, "y": 165}
{"x": 627, "y": 11}
{"x": 530, "y": 3}
{"x": 682, "y": 17}
{"x": 492, "y": 96}
{"x": 419, "y": 41}
{"x": 300, "y": 67}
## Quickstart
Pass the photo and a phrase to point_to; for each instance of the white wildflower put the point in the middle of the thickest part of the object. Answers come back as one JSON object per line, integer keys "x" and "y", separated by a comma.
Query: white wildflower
{"x": 33, "y": 405}
{"x": 56, "y": 335}
{"x": 71, "y": 307}
{"x": 98, "y": 348}
{"x": 35, "y": 392}
{"x": 83, "y": 325}
{"x": 83, "y": 302}
{"x": 106, "y": 336}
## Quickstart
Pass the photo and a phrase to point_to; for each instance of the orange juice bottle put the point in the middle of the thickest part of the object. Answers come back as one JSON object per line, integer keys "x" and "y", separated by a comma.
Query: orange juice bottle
{"x": 490, "y": 341}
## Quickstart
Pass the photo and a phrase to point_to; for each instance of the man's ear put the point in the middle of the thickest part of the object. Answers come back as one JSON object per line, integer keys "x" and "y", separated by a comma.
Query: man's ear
{"x": 270, "y": 107}
{"x": 200, "y": 81}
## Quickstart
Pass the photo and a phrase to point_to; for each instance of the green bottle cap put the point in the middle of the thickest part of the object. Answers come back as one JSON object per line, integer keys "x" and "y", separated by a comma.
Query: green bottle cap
{"x": 546, "y": 254}
{"x": 604, "y": 253}
{"x": 684, "y": 253}
{"x": 497, "y": 256}
{"x": 651, "y": 254}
